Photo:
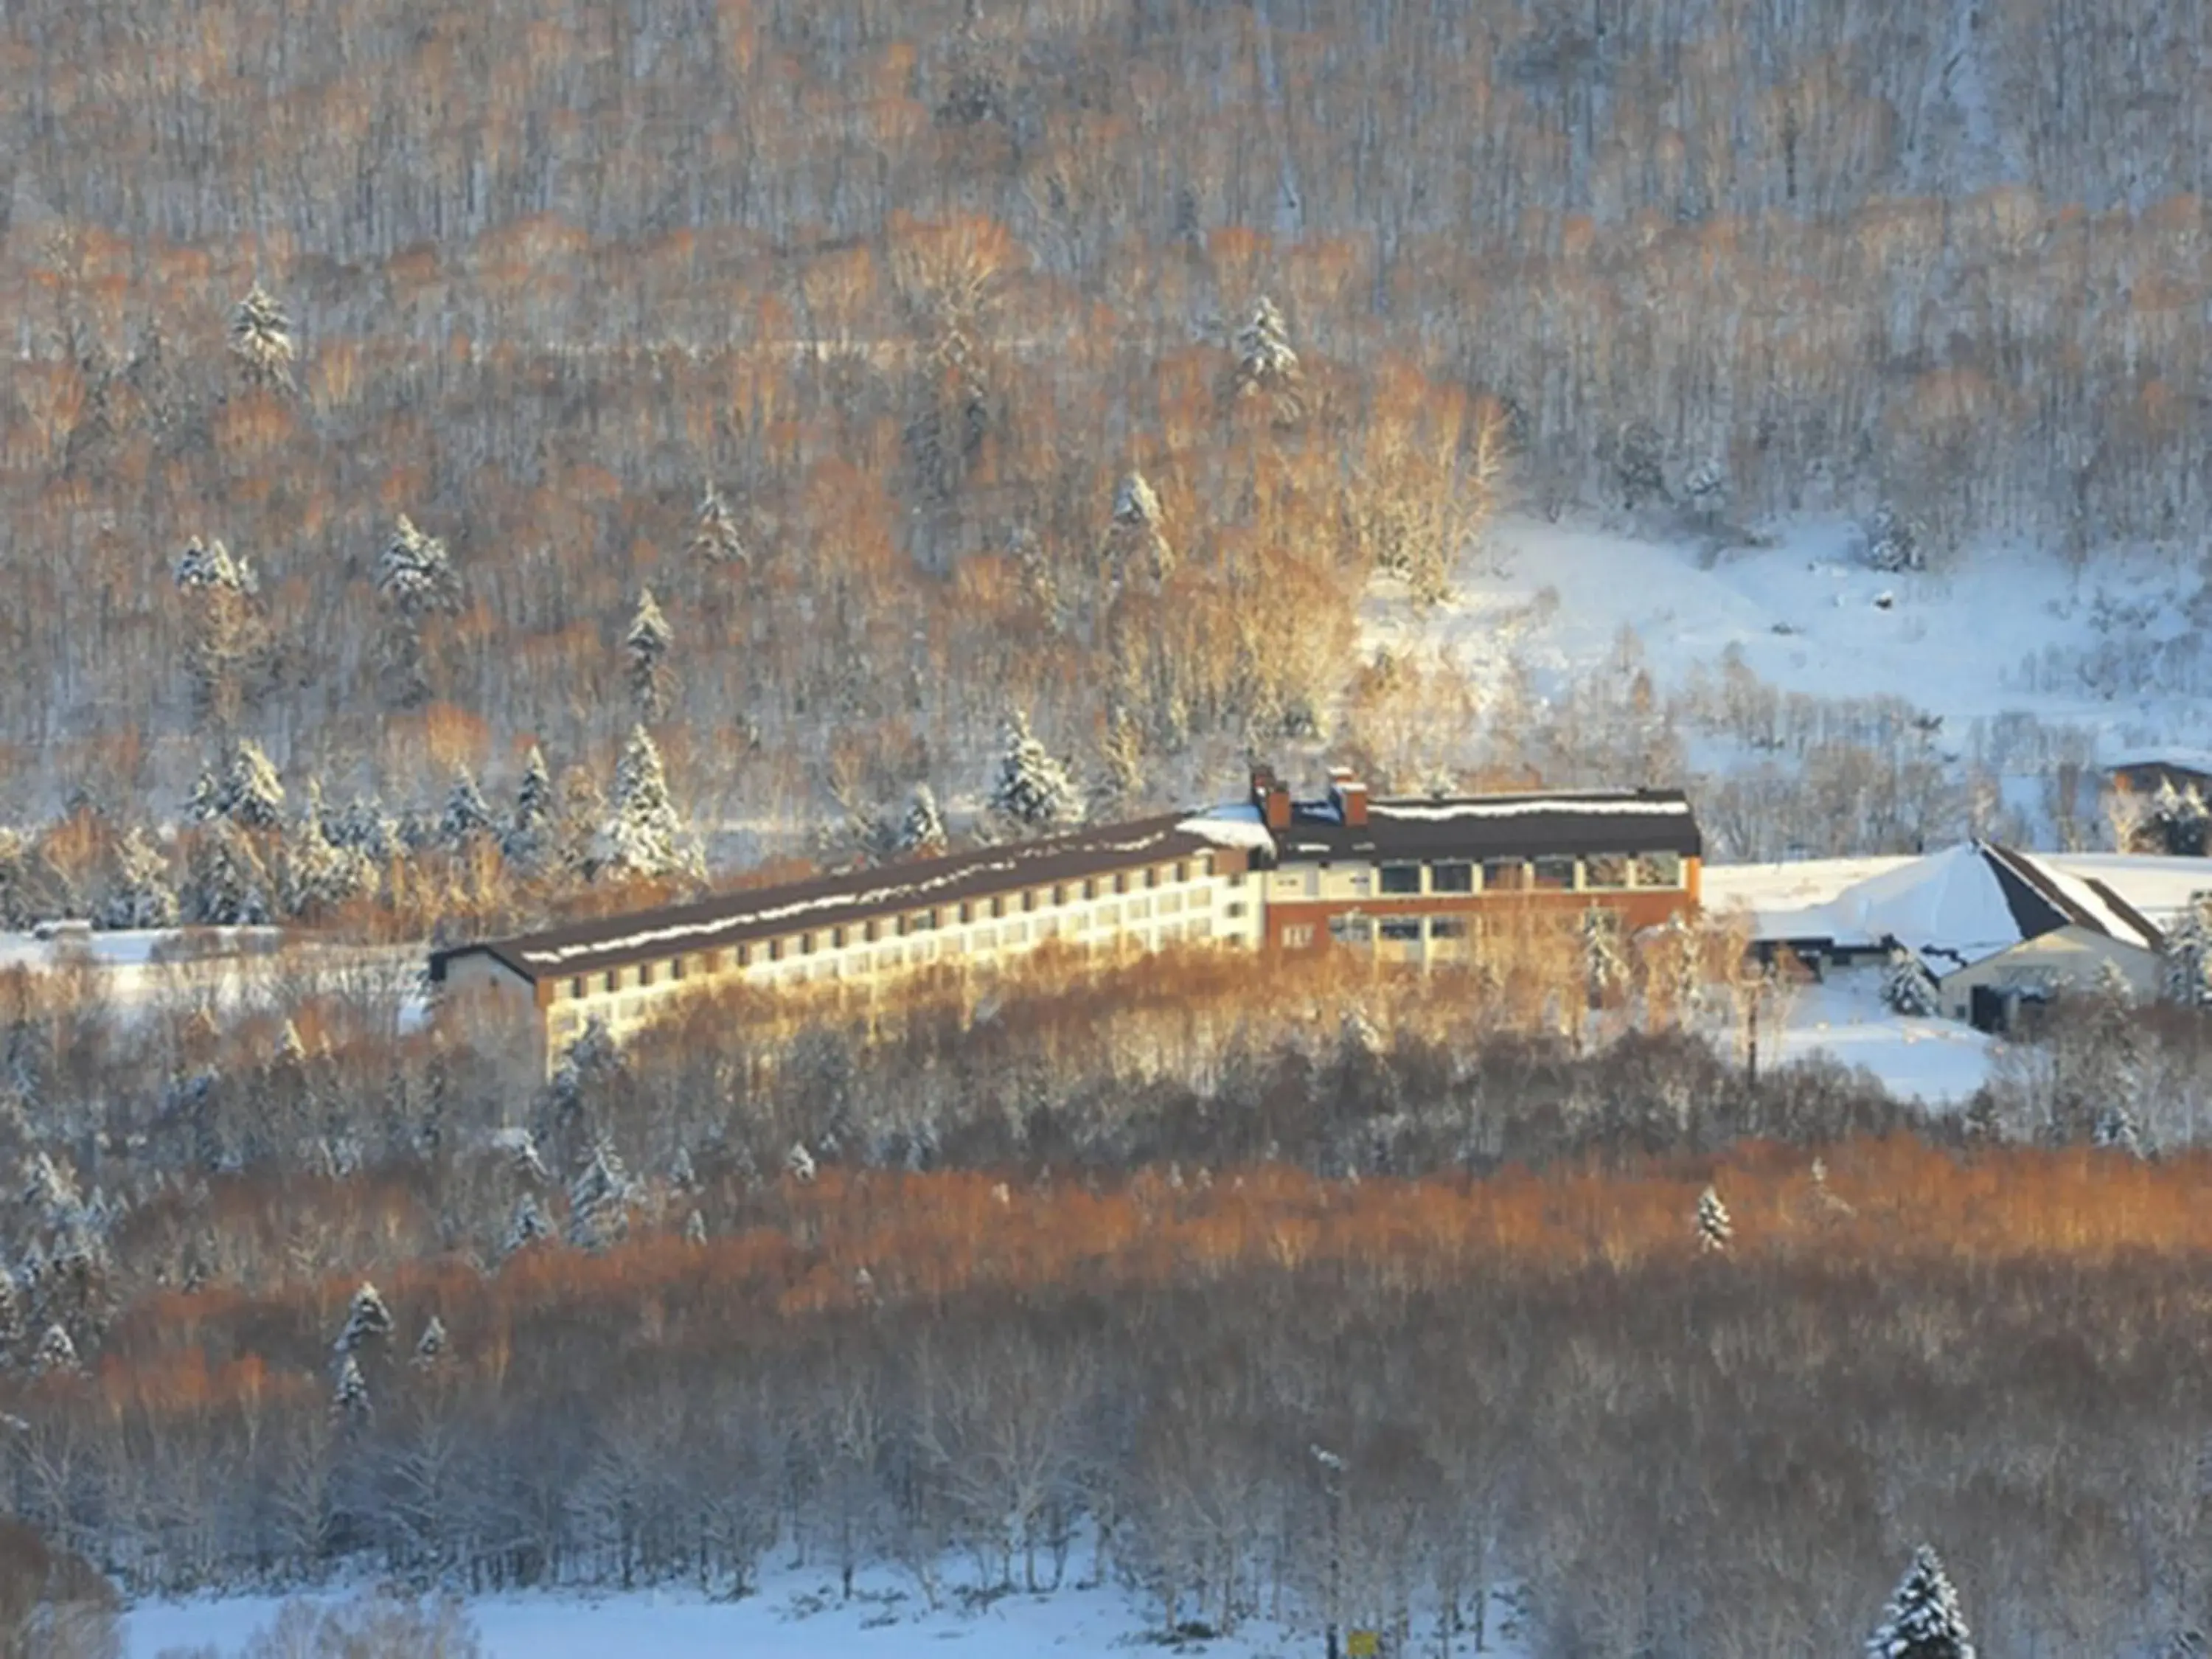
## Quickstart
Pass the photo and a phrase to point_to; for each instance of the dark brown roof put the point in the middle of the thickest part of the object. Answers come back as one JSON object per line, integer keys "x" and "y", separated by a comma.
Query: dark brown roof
{"x": 1498, "y": 826}
{"x": 727, "y": 919}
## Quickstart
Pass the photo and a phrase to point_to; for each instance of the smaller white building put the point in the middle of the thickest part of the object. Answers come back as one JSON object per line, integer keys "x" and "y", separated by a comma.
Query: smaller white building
{"x": 1999, "y": 928}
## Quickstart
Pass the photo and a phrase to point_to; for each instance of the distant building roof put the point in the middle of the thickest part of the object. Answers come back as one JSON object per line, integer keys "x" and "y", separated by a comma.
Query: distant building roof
{"x": 727, "y": 919}
{"x": 1498, "y": 826}
{"x": 2172, "y": 758}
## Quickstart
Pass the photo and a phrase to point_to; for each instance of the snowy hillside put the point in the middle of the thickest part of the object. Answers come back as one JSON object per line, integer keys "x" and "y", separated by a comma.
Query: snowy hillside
{"x": 2008, "y": 665}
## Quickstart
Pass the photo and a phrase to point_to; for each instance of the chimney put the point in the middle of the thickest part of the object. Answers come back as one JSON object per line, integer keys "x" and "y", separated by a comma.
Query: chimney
{"x": 1271, "y": 796}
{"x": 1350, "y": 795}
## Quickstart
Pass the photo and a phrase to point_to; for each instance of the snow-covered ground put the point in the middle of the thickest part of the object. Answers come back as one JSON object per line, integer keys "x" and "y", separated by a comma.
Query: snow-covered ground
{"x": 799, "y": 1616}
{"x": 1940, "y": 1062}
{"x": 2112, "y": 648}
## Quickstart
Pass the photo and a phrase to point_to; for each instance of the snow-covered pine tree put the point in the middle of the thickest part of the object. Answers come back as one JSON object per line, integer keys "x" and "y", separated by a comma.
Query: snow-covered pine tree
{"x": 467, "y": 819}
{"x": 415, "y": 580}
{"x": 1894, "y": 541}
{"x": 528, "y": 841}
{"x": 695, "y": 1228}
{"x": 1638, "y": 463}
{"x": 320, "y": 872}
{"x": 27, "y": 896}
{"x": 1705, "y": 490}
{"x": 1923, "y": 1619}
{"x": 139, "y": 893}
{"x": 229, "y": 885}
{"x": 799, "y": 1162}
{"x": 580, "y": 815}
{"x": 681, "y": 1175}
{"x": 1034, "y": 791}
{"x": 2187, "y": 954}
{"x": 646, "y": 646}
{"x": 1907, "y": 987}
{"x": 922, "y": 831}
{"x": 367, "y": 1319}
{"x": 1265, "y": 360}
{"x": 527, "y": 1226}
{"x": 261, "y": 340}
{"x": 1137, "y": 538}
{"x": 1605, "y": 966}
{"x": 366, "y": 827}
{"x": 247, "y": 790}
{"x": 56, "y": 1352}
{"x": 14, "y": 1318}
{"x": 350, "y": 1397}
{"x": 645, "y": 838}
{"x": 431, "y": 1347}
{"x": 715, "y": 538}
{"x": 599, "y": 1202}
{"x": 2179, "y": 819}
{"x": 1715, "y": 1229}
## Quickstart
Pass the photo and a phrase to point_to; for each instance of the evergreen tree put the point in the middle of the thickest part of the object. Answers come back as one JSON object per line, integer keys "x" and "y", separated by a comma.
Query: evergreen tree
{"x": 529, "y": 841}
{"x": 261, "y": 340}
{"x": 139, "y": 894}
{"x": 1715, "y": 1229}
{"x": 1638, "y": 465}
{"x": 1705, "y": 491}
{"x": 2179, "y": 820}
{"x": 229, "y": 885}
{"x": 432, "y": 1346}
{"x": 528, "y": 1225}
{"x": 367, "y": 1319}
{"x": 599, "y": 1202}
{"x": 366, "y": 827}
{"x": 922, "y": 831}
{"x": 1136, "y": 537}
{"x": 14, "y": 1320}
{"x": 1033, "y": 791}
{"x": 1265, "y": 360}
{"x": 320, "y": 872}
{"x": 28, "y": 889}
{"x": 1604, "y": 965}
{"x": 415, "y": 580}
{"x": 56, "y": 1352}
{"x": 646, "y": 646}
{"x": 1894, "y": 541}
{"x": 2187, "y": 954}
{"x": 1923, "y": 1619}
{"x": 646, "y": 837}
{"x": 467, "y": 819}
{"x": 247, "y": 791}
{"x": 350, "y": 1398}
{"x": 714, "y": 540}
{"x": 799, "y": 1162}
{"x": 1907, "y": 987}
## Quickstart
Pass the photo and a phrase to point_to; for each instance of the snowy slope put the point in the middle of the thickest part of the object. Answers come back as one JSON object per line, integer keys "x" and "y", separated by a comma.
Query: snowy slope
{"x": 799, "y": 1617}
{"x": 2003, "y": 631}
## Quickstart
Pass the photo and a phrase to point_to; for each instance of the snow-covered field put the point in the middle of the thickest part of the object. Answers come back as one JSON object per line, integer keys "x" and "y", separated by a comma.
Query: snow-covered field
{"x": 2012, "y": 630}
{"x": 798, "y": 1615}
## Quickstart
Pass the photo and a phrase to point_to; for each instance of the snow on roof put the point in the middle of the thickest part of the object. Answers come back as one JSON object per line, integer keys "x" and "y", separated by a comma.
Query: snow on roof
{"x": 2159, "y": 888}
{"x": 1231, "y": 826}
{"x": 2179, "y": 757}
{"x": 1965, "y": 903}
{"x": 1496, "y": 806}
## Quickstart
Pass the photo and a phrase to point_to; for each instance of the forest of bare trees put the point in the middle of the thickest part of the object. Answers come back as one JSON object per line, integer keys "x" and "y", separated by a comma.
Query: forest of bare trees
{"x": 841, "y": 328}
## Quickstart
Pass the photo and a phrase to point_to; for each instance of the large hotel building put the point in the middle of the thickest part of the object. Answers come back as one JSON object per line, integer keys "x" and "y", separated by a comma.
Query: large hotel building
{"x": 1416, "y": 880}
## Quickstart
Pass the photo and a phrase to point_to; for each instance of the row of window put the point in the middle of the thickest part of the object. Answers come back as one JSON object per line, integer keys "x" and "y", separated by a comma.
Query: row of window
{"x": 1560, "y": 874}
{"x": 929, "y": 920}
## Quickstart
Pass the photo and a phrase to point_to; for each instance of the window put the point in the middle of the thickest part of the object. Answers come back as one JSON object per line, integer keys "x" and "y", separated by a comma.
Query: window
{"x": 1299, "y": 938}
{"x": 775, "y": 950}
{"x": 929, "y": 922}
{"x": 1029, "y": 899}
{"x": 1456, "y": 877}
{"x": 1236, "y": 877}
{"x": 745, "y": 956}
{"x": 1351, "y": 930}
{"x": 1122, "y": 883}
{"x": 614, "y": 979}
{"x": 1361, "y": 881}
{"x": 676, "y": 968}
{"x": 1183, "y": 870}
{"x": 1447, "y": 928}
{"x": 1401, "y": 878}
{"x": 1060, "y": 892}
{"x": 1152, "y": 877}
{"x": 1554, "y": 874}
{"x": 1401, "y": 928}
{"x": 1504, "y": 875}
{"x": 836, "y": 939}
{"x": 1606, "y": 870}
{"x": 967, "y": 913}
{"x": 1658, "y": 869}
{"x": 1206, "y": 864}
{"x": 576, "y": 989}
{"x": 998, "y": 907}
{"x": 1090, "y": 889}
{"x": 868, "y": 933}
{"x": 645, "y": 973}
{"x": 1235, "y": 910}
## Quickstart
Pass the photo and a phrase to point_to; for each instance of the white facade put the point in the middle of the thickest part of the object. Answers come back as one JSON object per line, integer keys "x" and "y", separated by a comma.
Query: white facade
{"x": 2070, "y": 959}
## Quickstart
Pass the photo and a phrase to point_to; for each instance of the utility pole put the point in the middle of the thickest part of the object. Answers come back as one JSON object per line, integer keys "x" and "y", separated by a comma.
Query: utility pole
{"x": 1332, "y": 1486}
